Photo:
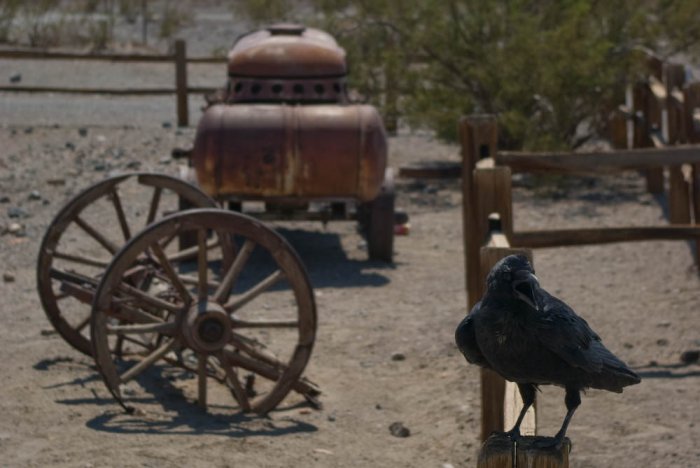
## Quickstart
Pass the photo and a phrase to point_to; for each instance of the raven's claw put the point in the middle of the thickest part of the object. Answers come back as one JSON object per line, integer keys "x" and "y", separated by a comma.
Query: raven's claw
{"x": 545, "y": 443}
{"x": 513, "y": 434}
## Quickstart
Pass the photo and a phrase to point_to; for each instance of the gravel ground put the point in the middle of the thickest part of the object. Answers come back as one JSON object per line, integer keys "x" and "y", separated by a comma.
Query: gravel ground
{"x": 641, "y": 297}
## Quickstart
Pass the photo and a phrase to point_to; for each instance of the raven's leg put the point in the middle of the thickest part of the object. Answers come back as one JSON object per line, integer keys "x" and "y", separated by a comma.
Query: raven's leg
{"x": 527, "y": 392}
{"x": 572, "y": 400}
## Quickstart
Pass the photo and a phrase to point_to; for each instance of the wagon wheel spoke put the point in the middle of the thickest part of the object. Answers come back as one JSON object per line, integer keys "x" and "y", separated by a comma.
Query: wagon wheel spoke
{"x": 139, "y": 296}
{"x": 202, "y": 267}
{"x": 131, "y": 314}
{"x": 83, "y": 260}
{"x": 95, "y": 234}
{"x": 121, "y": 339}
{"x": 164, "y": 243}
{"x": 191, "y": 252}
{"x": 234, "y": 384}
{"x": 119, "y": 209}
{"x": 256, "y": 350}
{"x": 224, "y": 289}
{"x": 259, "y": 367}
{"x": 153, "y": 208}
{"x": 193, "y": 281}
{"x": 166, "y": 328}
{"x": 147, "y": 361}
{"x": 237, "y": 302}
{"x": 171, "y": 274}
{"x": 84, "y": 323}
{"x": 240, "y": 323}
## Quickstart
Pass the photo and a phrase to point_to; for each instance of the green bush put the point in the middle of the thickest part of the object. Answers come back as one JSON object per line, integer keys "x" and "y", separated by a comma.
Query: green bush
{"x": 548, "y": 68}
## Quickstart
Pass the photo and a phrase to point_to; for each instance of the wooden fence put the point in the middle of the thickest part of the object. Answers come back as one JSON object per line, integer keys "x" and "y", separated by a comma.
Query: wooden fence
{"x": 486, "y": 185}
{"x": 658, "y": 127}
{"x": 178, "y": 58}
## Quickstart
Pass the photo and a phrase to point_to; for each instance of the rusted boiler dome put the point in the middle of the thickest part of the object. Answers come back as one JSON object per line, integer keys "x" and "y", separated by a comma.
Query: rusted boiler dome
{"x": 287, "y": 51}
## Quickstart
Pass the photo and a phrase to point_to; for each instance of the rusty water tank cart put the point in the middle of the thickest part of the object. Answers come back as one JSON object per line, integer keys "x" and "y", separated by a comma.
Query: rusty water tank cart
{"x": 116, "y": 284}
{"x": 285, "y": 133}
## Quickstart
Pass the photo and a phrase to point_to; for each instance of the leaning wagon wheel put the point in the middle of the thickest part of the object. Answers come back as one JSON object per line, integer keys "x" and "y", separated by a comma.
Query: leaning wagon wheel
{"x": 84, "y": 236}
{"x": 248, "y": 324}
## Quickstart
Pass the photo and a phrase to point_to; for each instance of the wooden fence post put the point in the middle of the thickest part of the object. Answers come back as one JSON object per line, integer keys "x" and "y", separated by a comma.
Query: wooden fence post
{"x": 478, "y": 136}
{"x": 493, "y": 188}
{"x": 642, "y": 125}
{"x": 679, "y": 186}
{"x": 493, "y": 387}
{"x": 691, "y": 127}
{"x": 499, "y": 452}
{"x": 181, "y": 83}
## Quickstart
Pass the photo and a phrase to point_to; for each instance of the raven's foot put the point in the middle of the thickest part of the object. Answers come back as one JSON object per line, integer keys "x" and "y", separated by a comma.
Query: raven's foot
{"x": 513, "y": 434}
{"x": 550, "y": 443}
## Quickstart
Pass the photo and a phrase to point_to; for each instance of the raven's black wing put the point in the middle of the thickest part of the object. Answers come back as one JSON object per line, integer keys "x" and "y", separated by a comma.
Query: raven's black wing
{"x": 569, "y": 337}
{"x": 566, "y": 334}
{"x": 465, "y": 337}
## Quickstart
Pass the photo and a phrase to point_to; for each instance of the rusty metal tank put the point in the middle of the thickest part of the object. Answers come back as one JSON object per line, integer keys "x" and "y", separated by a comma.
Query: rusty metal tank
{"x": 285, "y": 129}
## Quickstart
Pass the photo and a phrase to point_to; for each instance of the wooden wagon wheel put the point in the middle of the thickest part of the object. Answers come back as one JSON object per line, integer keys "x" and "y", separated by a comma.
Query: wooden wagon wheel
{"x": 249, "y": 324}
{"x": 84, "y": 236}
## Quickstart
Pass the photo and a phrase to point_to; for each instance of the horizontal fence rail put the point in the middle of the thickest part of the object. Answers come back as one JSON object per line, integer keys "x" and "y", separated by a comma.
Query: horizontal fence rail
{"x": 178, "y": 58}
{"x": 46, "y": 55}
{"x": 599, "y": 162}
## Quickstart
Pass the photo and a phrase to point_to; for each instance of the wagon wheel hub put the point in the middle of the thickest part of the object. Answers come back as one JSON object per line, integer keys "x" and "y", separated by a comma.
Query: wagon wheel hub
{"x": 207, "y": 327}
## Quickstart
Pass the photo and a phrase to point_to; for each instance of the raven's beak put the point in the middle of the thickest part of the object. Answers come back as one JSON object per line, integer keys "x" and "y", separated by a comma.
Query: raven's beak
{"x": 525, "y": 286}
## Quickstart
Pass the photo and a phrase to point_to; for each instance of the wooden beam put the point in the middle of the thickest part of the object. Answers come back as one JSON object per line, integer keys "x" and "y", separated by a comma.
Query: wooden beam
{"x": 46, "y": 55}
{"x": 499, "y": 452}
{"x": 568, "y": 237}
{"x": 599, "y": 162}
{"x": 691, "y": 101}
{"x": 695, "y": 189}
{"x": 493, "y": 187}
{"x": 478, "y": 135}
{"x": 641, "y": 97}
{"x": 678, "y": 196}
{"x": 109, "y": 91}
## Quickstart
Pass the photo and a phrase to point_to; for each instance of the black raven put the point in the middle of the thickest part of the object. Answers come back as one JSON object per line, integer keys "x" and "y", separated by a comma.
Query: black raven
{"x": 532, "y": 338}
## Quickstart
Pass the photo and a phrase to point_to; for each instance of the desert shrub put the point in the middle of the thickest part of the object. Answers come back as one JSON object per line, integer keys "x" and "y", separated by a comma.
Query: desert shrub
{"x": 172, "y": 19}
{"x": 8, "y": 12}
{"x": 547, "y": 68}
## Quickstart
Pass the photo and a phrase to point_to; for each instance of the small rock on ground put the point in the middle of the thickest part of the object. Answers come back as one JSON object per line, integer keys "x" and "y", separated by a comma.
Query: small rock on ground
{"x": 397, "y": 429}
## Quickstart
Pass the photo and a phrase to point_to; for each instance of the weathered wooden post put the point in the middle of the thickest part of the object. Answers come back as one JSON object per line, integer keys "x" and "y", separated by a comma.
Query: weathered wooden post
{"x": 679, "y": 186}
{"x": 502, "y": 402}
{"x": 641, "y": 101}
{"x": 493, "y": 387}
{"x": 181, "y": 82}
{"x": 691, "y": 127}
{"x": 478, "y": 136}
{"x": 499, "y": 452}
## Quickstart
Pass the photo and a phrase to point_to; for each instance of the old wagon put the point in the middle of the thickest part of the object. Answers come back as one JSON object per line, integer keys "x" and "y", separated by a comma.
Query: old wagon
{"x": 284, "y": 132}
{"x": 146, "y": 270}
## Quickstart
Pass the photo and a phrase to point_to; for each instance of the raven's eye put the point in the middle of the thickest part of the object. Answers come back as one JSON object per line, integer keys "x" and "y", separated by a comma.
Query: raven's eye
{"x": 507, "y": 276}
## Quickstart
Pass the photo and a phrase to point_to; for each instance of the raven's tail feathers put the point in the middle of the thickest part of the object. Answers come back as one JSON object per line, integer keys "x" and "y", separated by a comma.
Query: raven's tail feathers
{"x": 614, "y": 374}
